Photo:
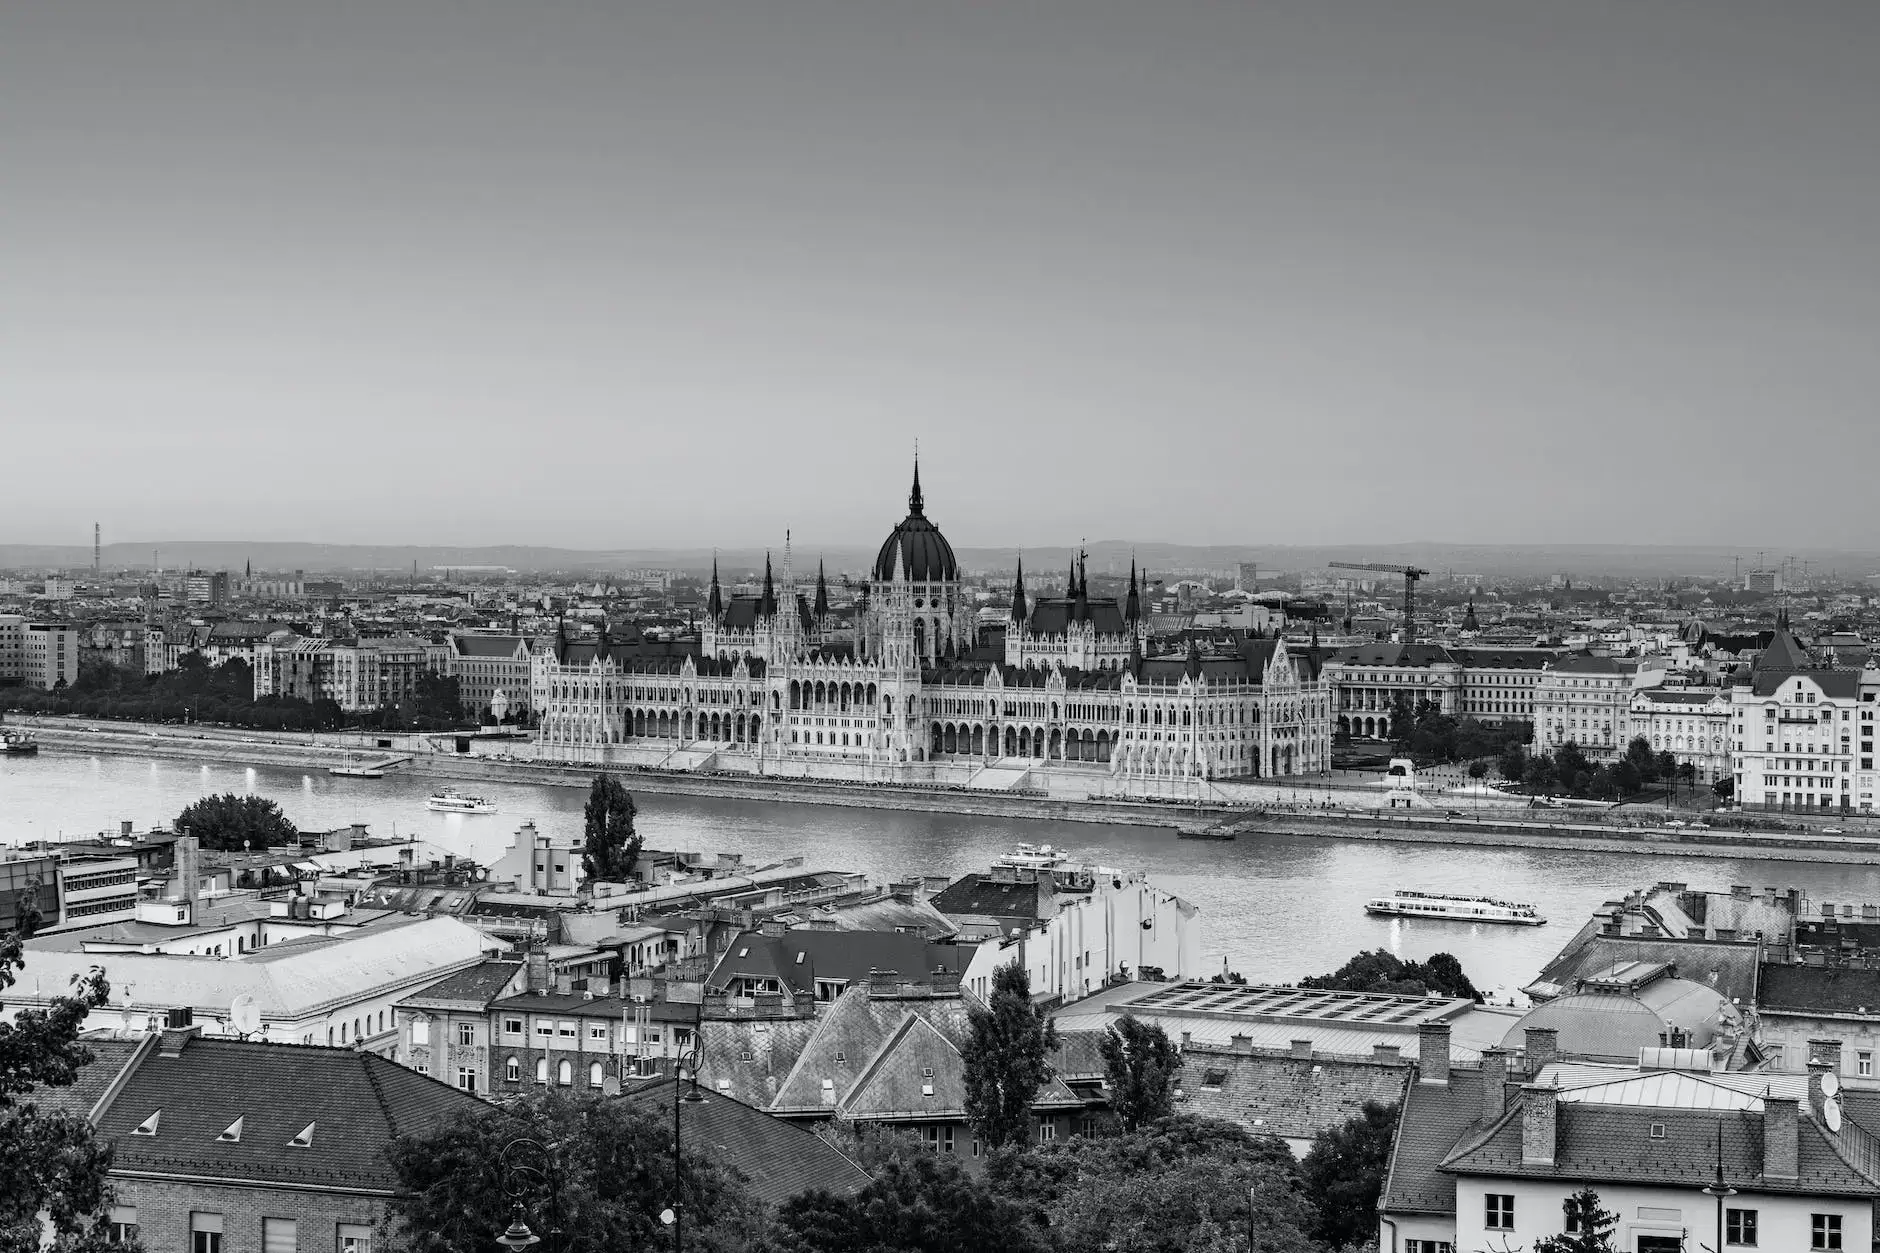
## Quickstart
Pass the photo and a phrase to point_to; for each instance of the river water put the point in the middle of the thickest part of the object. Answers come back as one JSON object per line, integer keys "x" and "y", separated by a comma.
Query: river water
{"x": 1275, "y": 908}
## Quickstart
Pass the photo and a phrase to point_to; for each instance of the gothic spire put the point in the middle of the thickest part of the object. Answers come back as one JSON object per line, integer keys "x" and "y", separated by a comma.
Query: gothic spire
{"x": 915, "y": 504}
{"x": 1132, "y": 605}
{"x": 768, "y": 605}
{"x": 822, "y": 592}
{"x": 715, "y": 602}
{"x": 1194, "y": 657}
{"x": 1019, "y": 609}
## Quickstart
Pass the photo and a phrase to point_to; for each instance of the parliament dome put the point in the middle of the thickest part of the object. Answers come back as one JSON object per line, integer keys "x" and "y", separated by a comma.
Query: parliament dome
{"x": 925, "y": 556}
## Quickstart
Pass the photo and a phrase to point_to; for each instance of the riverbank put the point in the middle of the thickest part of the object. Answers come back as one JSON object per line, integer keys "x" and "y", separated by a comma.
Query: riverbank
{"x": 1304, "y": 821}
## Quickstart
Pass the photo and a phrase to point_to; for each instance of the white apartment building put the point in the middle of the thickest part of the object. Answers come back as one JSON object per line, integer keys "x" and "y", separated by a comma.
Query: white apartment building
{"x": 485, "y": 665}
{"x": 51, "y": 655}
{"x": 1793, "y": 731}
{"x": 1122, "y": 919}
{"x": 1692, "y": 724}
{"x": 1588, "y": 701}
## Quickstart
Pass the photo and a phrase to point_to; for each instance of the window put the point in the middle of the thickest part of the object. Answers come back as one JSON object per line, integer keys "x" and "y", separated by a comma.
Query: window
{"x": 353, "y": 1238}
{"x": 280, "y": 1235}
{"x": 594, "y": 1075}
{"x": 1047, "y": 1130}
{"x": 467, "y": 1078}
{"x": 466, "y": 1033}
{"x": 597, "y": 1031}
{"x": 541, "y": 1070}
{"x": 1428, "y": 1246}
{"x": 1498, "y": 1211}
{"x": 512, "y": 1026}
{"x": 205, "y": 1233}
{"x": 1826, "y": 1231}
{"x": 566, "y": 1030}
{"x": 1863, "y": 1063}
{"x": 512, "y": 1070}
{"x": 564, "y": 1074}
{"x": 123, "y": 1224}
{"x": 545, "y": 1029}
{"x": 420, "y": 1031}
{"x": 1739, "y": 1227}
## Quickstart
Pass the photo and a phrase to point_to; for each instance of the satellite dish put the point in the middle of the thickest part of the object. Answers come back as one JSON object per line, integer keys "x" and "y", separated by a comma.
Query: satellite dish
{"x": 244, "y": 1015}
{"x": 1831, "y": 1114}
{"x": 1830, "y": 1084}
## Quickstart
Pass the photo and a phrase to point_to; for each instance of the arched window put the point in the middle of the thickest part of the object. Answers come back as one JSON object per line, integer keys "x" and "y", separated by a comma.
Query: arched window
{"x": 512, "y": 1070}
{"x": 594, "y": 1075}
{"x": 541, "y": 1069}
{"x": 564, "y": 1074}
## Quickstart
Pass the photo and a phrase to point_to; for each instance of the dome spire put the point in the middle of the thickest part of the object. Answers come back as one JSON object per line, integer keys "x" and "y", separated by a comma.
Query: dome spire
{"x": 915, "y": 503}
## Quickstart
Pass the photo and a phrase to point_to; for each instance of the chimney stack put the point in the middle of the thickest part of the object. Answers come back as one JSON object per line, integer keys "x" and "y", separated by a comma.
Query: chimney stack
{"x": 1540, "y": 1114}
{"x": 1817, "y": 1091}
{"x": 1301, "y": 1049}
{"x": 1494, "y": 1084}
{"x": 1781, "y": 1143}
{"x": 1433, "y": 1053}
{"x": 1828, "y": 1053}
{"x": 1542, "y": 1048}
{"x": 535, "y": 973}
{"x": 1386, "y": 1053}
{"x": 187, "y": 860}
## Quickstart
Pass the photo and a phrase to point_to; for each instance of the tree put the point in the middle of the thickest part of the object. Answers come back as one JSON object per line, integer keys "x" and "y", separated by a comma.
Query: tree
{"x": 1140, "y": 1064}
{"x": 1588, "y": 1227}
{"x": 1478, "y": 769}
{"x": 1005, "y": 1062}
{"x": 1625, "y": 776}
{"x": 1383, "y": 971}
{"x": 228, "y": 821}
{"x": 50, "y": 1162}
{"x": 1344, "y": 1173}
{"x": 613, "y": 845}
{"x": 918, "y": 1203}
{"x": 613, "y": 1162}
{"x": 1513, "y": 764}
{"x": 1725, "y": 788}
{"x": 1540, "y": 773}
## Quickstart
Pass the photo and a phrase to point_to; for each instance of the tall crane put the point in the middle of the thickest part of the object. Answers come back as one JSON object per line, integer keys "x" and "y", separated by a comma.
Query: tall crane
{"x": 1410, "y": 576}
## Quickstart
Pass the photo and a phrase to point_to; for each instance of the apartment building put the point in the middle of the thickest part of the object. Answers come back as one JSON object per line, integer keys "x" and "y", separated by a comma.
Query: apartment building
{"x": 1793, "y": 731}
{"x": 1587, "y": 700}
{"x": 50, "y": 655}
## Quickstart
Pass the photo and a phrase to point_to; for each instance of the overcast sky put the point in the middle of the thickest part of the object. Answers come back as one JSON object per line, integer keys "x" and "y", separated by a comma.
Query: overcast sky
{"x": 625, "y": 273}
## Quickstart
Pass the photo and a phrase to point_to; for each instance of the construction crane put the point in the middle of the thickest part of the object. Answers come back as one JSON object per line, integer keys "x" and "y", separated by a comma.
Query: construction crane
{"x": 1410, "y": 576}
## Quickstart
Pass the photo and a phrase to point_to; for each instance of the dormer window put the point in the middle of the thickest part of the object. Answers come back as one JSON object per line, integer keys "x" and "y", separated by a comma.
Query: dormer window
{"x": 148, "y": 1127}
{"x": 232, "y": 1133}
{"x": 304, "y": 1140}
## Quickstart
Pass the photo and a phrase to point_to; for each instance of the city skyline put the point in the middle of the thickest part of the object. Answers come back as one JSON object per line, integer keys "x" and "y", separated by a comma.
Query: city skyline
{"x": 1275, "y": 273}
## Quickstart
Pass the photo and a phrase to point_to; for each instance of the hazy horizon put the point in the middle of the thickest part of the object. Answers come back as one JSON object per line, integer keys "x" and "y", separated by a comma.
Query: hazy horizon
{"x": 677, "y": 275}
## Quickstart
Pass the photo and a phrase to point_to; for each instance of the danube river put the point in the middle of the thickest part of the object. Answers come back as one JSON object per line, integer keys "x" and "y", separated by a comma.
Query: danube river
{"x": 1276, "y": 908}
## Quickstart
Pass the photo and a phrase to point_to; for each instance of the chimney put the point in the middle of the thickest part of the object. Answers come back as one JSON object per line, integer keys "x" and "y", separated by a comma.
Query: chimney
{"x": 1433, "y": 1053}
{"x": 1827, "y": 1052}
{"x": 564, "y": 985}
{"x": 1494, "y": 1084}
{"x": 599, "y": 987}
{"x": 535, "y": 976}
{"x": 771, "y": 927}
{"x": 1185, "y": 1041}
{"x": 188, "y": 863}
{"x": 175, "y": 1039}
{"x": 1386, "y": 1053}
{"x": 1540, "y": 1111}
{"x": 884, "y": 982}
{"x": 124, "y": 828}
{"x": 1542, "y": 1048}
{"x": 1817, "y": 1090}
{"x": 1781, "y": 1143}
{"x": 946, "y": 982}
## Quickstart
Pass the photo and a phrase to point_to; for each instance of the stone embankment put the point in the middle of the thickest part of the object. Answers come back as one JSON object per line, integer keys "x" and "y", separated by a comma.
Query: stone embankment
{"x": 1304, "y": 821}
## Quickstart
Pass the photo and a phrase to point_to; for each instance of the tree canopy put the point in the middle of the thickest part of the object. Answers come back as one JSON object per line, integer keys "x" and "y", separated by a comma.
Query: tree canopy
{"x": 1140, "y": 1064}
{"x": 1344, "y": 1175}
{"x": 1383, "y": 971}
{"x": 1005, "y": 1061}
{"x": 918, "y": 1203}
{"x": 228, "y": 821}
{"x": 612, "y": 847}
{"x": 1587, "y": 1227}
{"x": 50, "y": 1161}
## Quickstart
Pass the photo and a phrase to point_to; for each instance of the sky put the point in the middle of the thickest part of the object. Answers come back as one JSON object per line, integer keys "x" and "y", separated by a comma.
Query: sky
{"x": 630, "y": 273}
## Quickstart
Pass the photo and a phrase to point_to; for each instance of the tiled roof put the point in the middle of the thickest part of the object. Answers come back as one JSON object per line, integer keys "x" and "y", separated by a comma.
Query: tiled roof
{"x": 981, "y": 896}
{"x": 1505, "y": 658}
{"x": 1726, "y": 965}
{"x": 476, "y": 986}
{"x": 1839, "y": 684}
{"x": 356, "y": 1104}
{"x": 777, "y": 1158}
{"x": 799, "y": 957}
{"x": 753, "y": 1056}
{"x": 1056, "y": 615}
{"x": 109, "y": 1056}
{"x": 1285, "y": 1096}
{"x": 496, "y": 647}
{"x": 1414, "y": 656}
{"x": 1819, "y": 989}
{"x": 849, "y": 1033}
{"x": 1434, "y": 1116}
{"x": 1783, "y": 652}
{"x": 917, "y": 1072}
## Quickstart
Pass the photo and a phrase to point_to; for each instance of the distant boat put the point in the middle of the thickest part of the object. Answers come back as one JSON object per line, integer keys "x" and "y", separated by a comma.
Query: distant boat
{"x": 451, "y": 801}
{"x": 1212, "y": 833}
{"x": 356, "y": 772}
{"x": 19, "y": 743}
{"x": 1446, "y": 908}
{"x": 1032, "y": 857}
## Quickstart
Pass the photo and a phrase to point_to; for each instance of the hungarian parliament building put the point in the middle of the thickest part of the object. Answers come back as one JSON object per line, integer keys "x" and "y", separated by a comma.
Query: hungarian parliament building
{"x": 914, "y": 681}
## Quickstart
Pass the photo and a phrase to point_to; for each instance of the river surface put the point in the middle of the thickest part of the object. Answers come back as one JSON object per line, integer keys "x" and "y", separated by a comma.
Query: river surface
{"x": 1275, "y": 908}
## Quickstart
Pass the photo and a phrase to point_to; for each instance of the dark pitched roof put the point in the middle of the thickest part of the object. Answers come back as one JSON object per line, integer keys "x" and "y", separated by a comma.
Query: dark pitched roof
{"x": 1840, "y": 684}
{"x": 778, "y": 1158}
{"x": 1055, "y": 615}
{"x": 1729, "y": 966}
{"x": 1433, "y": 1118}
{"x": 1784, "y": 652}
{"x": 498, "y": 647}
{"x": 356, "y": 1104}
{"x": 1819, "y": 989}
{"x": 800, "y": 957}
{"x": 1505, "y": 658}
{"x": 477, "y": 985}
{"x": 981, "y": 895}
{"x": 109, "y": 1057}
{"x": 1286, "y": 1096}
{"x": 1381, "y": 654}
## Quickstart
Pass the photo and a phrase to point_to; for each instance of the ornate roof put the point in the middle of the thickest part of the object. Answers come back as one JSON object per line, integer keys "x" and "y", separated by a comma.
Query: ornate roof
{"x": 924, "y": 554}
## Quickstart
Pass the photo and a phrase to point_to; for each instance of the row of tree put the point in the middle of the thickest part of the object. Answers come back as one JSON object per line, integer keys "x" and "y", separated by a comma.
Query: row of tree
{"x": 1426, "y": 734}
{"x": 1567, "y": 771}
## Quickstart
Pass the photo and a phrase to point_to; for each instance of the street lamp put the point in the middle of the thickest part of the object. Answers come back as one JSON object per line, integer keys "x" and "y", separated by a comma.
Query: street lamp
{"x": 683, "y": 1060}
{"x": 518, "y": 1237}
{"x": 1718, "y": 1188}
{"x": 527, "y": 1168}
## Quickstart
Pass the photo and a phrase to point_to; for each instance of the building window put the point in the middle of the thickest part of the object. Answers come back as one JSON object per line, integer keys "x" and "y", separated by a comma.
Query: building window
{"x": 205, "y": 1233}
{"x": 280, "y": 1235}
{"x": 466, "y": 1033}
{"x": 512, "y": 1026}
{"x": 1863, "y": 1064}
{"x": 467, "y": 1078}
{"x": 564, "y": 1074}
{"x": 353, "y": 1238}
{"x": 541, "y": 1070}
{"x": 123, "y": 1224}
{"x": 1825, "y": 1230}
{"x": 420, "y": 1031}
{"x": 512, "y": 1070}
{"x": 1498, "y": 1211}
{"x": 594, "y": 1075}
{"x": 1739, "y": 1227}
{"x": 1428, "y": 1246}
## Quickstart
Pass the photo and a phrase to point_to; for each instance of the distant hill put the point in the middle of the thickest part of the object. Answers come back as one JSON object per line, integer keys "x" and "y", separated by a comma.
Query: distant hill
{"x": 1162, "y": 560}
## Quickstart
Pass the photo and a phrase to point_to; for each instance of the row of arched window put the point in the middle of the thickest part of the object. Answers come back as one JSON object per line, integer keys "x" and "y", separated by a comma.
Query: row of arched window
{"x": 564, "y": 1072}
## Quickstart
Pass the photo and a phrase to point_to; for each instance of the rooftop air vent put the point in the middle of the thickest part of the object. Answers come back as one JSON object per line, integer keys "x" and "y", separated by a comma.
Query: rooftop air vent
{"x": 233, "y": 1132}
{"x": 304, "y": 1140}
{"x": 148, "y": 1127}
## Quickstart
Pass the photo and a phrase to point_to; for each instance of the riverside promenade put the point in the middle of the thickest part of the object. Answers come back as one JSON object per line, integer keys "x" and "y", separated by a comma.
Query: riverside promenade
{"x": 1335, "y": 810}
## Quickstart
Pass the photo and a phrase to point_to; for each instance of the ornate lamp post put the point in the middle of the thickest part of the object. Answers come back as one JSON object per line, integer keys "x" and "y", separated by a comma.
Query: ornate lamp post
{"x": 1718, "y": 1188}
{"x": 528, "y": 1169}
{"x": 684, "y": 1060}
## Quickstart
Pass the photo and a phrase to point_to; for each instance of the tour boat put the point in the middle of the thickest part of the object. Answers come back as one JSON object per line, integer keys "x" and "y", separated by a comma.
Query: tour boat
{"x": 451, "y": 801}
{"x": 1447, "y": 908}
{"x": 1032, "y": 857}
{"x": 19, "y": 743}
{"x": 356, "y": 772}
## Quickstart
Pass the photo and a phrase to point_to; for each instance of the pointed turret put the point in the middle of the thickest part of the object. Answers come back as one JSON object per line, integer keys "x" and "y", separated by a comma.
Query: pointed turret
{"x": 767, "y": 606}
{"x": 1020, "y": 611}
{"x": 561, "y": 638}
{"x": 715, "y": 602}
{"x": 1132, "y": 603}
{"x": 1468, "y": 619}
{"x": 600, "y": 641}
{"x": 1194, "y": 657}
{"x": 915, "y": 505}
{"x": 822, "y": 593}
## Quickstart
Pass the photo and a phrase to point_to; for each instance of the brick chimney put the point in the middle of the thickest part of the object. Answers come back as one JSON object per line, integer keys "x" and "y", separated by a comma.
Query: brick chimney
{"x": 1542, "y": 1048}
{"x": 1386, "y": 1053}
{"x": 175, "y": 1039}
{"x": 535, "y": 970}
{"x": 1781, "y": 1138}
{"x": 1433, "y": 1053}
{"x": 1828, "y": 1052}
{"x": 884, "y": 982}
{"x": 187, "y": 860}
{"x": 1540, "y": 1114}
{"x": 1301, "y": 1049}
{"x": 1817, "y": 1092}
{"x": 1494, "y": 1084}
